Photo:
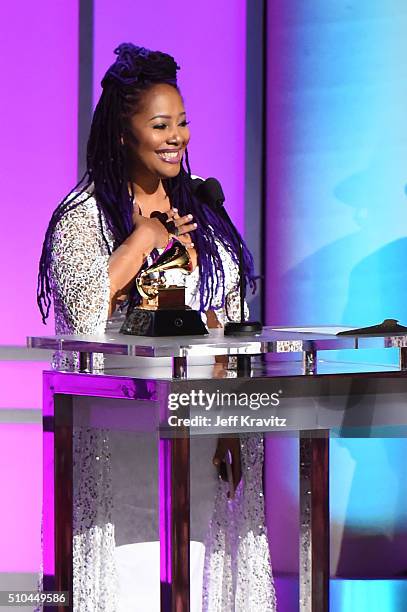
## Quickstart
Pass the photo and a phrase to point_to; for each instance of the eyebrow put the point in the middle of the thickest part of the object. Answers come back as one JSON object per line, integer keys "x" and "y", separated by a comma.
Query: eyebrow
{"x": 166, "y": 116}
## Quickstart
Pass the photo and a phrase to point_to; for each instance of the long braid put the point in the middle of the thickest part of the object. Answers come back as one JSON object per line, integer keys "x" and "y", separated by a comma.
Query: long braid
{"x": 107, "y": 178}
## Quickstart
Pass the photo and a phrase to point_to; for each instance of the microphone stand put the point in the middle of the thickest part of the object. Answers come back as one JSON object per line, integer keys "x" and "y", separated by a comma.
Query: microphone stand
{"x": 242, "y": 328}
{"x": 210, "y": 193}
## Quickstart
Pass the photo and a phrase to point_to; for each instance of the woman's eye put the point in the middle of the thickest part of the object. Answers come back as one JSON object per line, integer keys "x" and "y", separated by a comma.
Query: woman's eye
{"x": 162, "y": 126}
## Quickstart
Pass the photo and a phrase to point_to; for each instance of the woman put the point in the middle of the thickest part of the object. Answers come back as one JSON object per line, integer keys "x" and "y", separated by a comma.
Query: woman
{"x": 97, "y": 241}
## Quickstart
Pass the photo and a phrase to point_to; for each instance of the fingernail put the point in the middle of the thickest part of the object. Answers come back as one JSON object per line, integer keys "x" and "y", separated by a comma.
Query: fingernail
{"x": 190, "y": 216}
{"x": 192, "y": 244}
{"x": 195, "y": 225}
{"x": 175, "y": 209}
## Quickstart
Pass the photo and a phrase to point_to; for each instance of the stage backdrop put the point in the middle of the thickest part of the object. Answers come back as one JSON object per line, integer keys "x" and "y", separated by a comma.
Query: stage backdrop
{"x": 38, "y": 106}
{"x": 336, "y": 248}
{"x": 38, "y": 110}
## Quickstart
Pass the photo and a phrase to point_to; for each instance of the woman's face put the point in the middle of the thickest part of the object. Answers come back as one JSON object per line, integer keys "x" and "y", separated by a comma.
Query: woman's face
{"x": 158, "y": 133}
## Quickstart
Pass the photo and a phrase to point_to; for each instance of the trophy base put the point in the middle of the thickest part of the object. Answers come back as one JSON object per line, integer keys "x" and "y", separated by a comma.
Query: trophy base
{"x": 164, "y": 322}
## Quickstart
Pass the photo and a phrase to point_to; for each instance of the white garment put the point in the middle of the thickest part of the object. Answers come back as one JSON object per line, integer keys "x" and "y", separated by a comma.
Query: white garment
{"x": 237, "y": 574}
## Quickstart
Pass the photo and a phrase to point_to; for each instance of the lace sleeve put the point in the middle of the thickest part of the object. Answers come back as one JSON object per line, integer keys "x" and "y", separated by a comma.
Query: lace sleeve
{"x": 79, "y": 272}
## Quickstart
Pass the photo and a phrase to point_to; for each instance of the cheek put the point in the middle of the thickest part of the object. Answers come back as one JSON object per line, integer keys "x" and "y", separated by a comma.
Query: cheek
{"x": 148, "y": 145}
{"x": 145, "y": 141}
{"x": 155, "y": 140}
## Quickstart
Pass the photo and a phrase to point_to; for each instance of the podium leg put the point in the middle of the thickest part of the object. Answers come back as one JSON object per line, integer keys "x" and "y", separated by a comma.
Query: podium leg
{"x": 309, "y": 362}
{"x": 174, "y": 524}
{"x": 174, "y": 499}
{"x": 244, "y": 365}
{"x": 403, "y": 357}
{"x": 179, "y": 367}
{"x": 314, "y": 521}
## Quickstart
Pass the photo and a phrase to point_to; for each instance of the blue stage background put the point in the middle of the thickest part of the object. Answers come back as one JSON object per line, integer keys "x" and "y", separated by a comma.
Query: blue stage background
{"x": 336, "y": 248}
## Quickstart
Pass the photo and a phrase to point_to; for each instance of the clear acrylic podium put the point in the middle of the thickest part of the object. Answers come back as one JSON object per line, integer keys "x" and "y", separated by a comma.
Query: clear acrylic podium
{"x": 315, "y": 397}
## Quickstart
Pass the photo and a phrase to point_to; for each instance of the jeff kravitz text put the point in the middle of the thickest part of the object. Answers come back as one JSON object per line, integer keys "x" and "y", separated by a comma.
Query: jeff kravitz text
{"x": 230, "y": 421}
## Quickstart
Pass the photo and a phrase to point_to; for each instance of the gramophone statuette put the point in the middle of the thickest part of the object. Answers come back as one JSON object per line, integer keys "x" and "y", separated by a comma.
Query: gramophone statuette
{"x": 163, "y": 311}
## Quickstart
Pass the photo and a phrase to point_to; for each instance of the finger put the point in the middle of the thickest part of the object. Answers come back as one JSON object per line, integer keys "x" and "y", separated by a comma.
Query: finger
{"x": 185, "y": 229}
{"x": 184, "y": 238}
{"x": 183, "y": 220}
{"x": 172, "y": 213}
{"x": 186, "y": 242}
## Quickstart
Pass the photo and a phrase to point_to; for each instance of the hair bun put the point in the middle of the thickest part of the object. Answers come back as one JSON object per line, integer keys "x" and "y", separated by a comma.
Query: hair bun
{"x": 138, "y": 65}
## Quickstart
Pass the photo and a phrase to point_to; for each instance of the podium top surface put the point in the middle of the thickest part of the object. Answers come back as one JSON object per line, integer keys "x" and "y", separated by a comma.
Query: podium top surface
{"x": 271, "y": 340}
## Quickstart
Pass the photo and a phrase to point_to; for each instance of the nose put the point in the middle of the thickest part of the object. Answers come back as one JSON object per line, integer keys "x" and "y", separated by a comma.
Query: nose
{"x": 174, "y": 137}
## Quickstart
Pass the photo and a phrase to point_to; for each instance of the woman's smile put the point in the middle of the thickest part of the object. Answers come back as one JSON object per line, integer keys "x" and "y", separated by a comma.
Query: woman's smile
{"x": 170, "y": 156}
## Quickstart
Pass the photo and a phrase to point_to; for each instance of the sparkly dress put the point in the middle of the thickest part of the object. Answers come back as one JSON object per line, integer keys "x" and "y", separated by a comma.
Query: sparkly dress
{"x": 237, "y": 569}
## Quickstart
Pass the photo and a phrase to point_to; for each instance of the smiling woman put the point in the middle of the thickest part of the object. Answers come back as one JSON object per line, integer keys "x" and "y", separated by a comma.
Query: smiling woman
{"x": 98, "y": 240}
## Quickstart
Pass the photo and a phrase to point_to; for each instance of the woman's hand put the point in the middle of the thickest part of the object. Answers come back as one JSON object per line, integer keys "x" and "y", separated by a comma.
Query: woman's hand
{"x": 228, "y": 447}
{"x": 182, "y": 225}
{"x": 153, "y": 229}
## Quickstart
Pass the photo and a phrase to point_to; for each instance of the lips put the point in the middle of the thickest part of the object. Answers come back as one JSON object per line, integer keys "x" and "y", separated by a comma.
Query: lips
{"x": 170, "y": 156}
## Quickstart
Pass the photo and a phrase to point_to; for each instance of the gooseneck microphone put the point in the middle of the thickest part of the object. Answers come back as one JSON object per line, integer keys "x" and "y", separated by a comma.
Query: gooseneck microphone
{"x": 210, "y": 192}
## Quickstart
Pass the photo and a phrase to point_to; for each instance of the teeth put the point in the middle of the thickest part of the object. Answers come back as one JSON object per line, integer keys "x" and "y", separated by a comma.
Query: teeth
{"x": 169, "y": 156}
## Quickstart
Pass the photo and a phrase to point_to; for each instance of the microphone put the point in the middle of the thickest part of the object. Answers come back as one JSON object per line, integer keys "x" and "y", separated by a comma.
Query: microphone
{"x": 210, "y": 192}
